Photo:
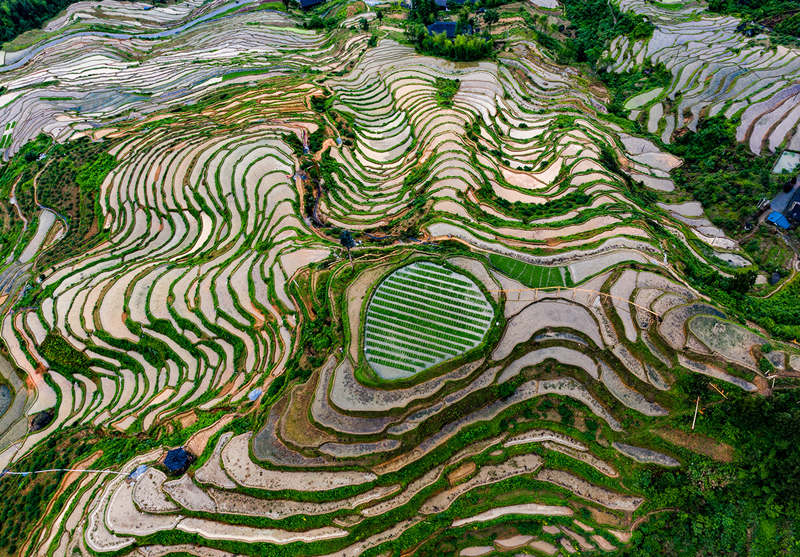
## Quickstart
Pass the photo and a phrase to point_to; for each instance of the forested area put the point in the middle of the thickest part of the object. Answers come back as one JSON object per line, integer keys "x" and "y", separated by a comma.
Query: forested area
{"x": 595, "y": 23}
{"x": 18, "y": 16}
{"x": 463, "y": 47}
{"x": 725, "y": 176}
{"x": 750, "y": 506}
{"x": 780, "y": 16}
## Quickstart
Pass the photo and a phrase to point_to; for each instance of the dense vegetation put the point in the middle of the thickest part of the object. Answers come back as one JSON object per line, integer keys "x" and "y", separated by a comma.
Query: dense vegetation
{"x": 423, "y": 12}
{"x": 722, "y": 174}
{"x": 748, "y": 507}
{"x": 781, "y": 16}
{"x": 529, "y": 212}
{"x": 69, "y": 179}
{"x": 595, "y": 23}
{"x": 63, "y": 356}
{"x": 446, "y": 89}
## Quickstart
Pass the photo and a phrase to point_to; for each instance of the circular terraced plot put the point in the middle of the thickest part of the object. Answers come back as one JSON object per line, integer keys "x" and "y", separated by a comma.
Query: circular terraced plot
{"x": 420, "y": 315}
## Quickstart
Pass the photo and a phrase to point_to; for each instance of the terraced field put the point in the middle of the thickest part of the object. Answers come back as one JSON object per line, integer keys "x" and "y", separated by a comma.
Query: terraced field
{"x": 531, "y": 276}
{"x": 715, "y": 70}
{"x": 379, "y": 325}
{"x": 421, "y": 315}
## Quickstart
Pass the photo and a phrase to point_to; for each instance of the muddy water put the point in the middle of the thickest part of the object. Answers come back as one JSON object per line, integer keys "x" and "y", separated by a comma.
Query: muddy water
{"x": 5, "y": 399}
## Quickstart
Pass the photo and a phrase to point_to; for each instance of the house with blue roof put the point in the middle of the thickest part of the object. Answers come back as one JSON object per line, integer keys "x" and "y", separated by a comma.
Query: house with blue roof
{"x": 309, "y": 3}
{"x": 450, "y": 28}
{"x": 778, "y": 220}
{"x": 443, "y": 3}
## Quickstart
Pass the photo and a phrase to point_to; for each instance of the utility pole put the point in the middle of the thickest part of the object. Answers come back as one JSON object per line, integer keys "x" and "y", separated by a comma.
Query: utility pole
{"x": 696, "y": 408}
{"x": 718, "y": 390}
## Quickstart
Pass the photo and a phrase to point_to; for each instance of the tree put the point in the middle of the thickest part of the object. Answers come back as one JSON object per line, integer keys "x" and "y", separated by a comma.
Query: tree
{"x": 423, "y": 11}
{"x": 743, "y": 281}
{"x": 416, "y": 33}
{"x": 491, "y": 17}
{"x": 346, "y": 239}
{"x": 463, "y": 18}
{"x": 315, "y": 22}
{"x": 364, "y": 24}
{"x": 379, "y": 14}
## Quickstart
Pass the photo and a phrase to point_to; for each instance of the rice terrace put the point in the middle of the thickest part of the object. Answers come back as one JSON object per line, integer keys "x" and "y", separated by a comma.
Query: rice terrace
{"x": 345, "y": 278}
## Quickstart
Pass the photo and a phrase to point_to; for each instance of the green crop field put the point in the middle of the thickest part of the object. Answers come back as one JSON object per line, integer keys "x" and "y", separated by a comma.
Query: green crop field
{"x": 420, "y": 315}
{"x": 533, "y": 276}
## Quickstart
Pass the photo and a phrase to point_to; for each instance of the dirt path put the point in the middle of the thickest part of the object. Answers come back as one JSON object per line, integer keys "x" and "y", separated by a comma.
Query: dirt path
{"x": 642, "y": 518}
{"x": 36, "y": 182}
{"x": 13, "y": 201}
{"x": 329, "y": 142}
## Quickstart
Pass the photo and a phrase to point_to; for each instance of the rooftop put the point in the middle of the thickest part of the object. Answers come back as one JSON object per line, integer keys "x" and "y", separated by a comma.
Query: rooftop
{"x": 448, "y": 27}
{"x": 443, "y": 3}
{"x": 178, "y": 460}
{"x": 778, "y": 220}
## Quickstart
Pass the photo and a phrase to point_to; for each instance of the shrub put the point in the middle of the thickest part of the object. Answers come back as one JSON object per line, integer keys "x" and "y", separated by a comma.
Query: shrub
{"x": 315, "y": 140}
{"x": 62, "y": 356}
{"x": 446, "y": 89}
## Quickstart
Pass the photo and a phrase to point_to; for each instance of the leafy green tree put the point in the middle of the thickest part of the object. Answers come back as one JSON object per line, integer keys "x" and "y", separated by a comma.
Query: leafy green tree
{"x": 347, "y": 241}
{"x": 315, "y": 22}
{"x": 789, "y": 26}
{"x": 491, "y": 17}
{"x": 743, "y": 281}
{"x": 463, "y": 18}
{"x": 596, "y": 23}
{"x": 423, "y": 11}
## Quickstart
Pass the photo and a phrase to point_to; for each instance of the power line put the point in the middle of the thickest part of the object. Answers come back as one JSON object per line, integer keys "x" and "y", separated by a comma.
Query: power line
{"x": 51, "y": 470}
{"x": 558, "y": 289}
